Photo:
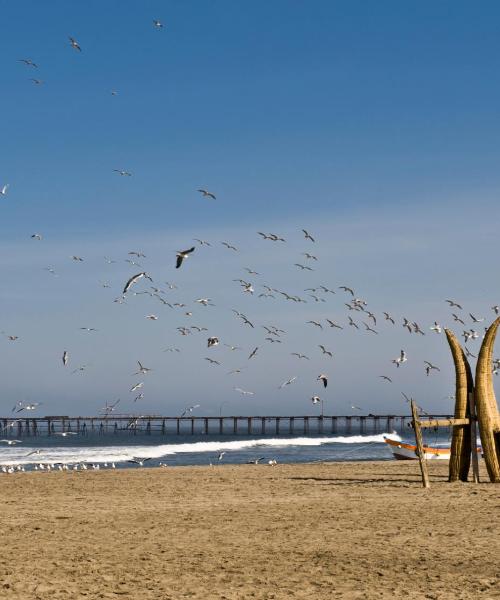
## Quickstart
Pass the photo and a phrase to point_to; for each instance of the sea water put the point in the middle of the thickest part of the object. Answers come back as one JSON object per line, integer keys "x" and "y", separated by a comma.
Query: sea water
{"x": 200, "y": 449}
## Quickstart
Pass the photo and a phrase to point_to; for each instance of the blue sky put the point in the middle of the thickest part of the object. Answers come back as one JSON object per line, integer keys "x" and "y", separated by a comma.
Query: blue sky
{"x": 374, "y": 126}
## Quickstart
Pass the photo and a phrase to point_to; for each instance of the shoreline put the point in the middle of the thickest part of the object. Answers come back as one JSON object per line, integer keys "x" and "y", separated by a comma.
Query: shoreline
{"x": 359, "y": 529}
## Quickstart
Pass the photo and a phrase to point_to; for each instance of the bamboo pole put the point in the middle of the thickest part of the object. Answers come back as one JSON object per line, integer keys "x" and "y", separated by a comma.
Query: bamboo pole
{"x": 486, "y": 406}
{"x": 473, "y": 431}
{"x": 461, "y": 437}
{"x": 420, "y": 445}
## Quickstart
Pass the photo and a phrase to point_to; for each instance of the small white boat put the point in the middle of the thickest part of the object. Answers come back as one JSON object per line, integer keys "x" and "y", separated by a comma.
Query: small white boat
{"x": 403, "y": 451}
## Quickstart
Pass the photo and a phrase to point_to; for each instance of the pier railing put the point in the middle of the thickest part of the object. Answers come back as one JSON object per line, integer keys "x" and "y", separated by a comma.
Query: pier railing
{"x": 196, "y": 425}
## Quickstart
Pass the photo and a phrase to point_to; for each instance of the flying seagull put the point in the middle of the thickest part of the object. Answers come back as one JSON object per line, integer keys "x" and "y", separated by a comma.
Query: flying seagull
{"x": 308, "y": 236}
{"x": 74, "y": 44}
{"x": 181, "y": 255}
{"x": 243, "y": 392}
{"x": 65, "y": 358}
{"x": 229, "y": 247}
{"x": 452, "y": 303}
{"x": 400, "y": 359}
{"x": 325, "y": 351}
{"x": 157, "y": 24}
{"x": 315, "y": 399}
{"x": 190, "y": 409}
{"x": 123, "y": 173}
{"x": 3, "y": 190}
{"x": 28, "y": 62}
{"x": 288, "y": 382}
{"x": 138, "y": 461}
{"x": 254, "y": 352}
{"x": 207, "y": 194}
{"x": 386, "y": 378}
{"x": 142, "y": 369}
{"x": 134, "y": 279}
{"x": 323, "y": 378}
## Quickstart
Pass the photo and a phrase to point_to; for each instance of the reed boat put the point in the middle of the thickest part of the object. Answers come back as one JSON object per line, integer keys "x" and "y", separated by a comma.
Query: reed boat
{"x": 403, "y": 451}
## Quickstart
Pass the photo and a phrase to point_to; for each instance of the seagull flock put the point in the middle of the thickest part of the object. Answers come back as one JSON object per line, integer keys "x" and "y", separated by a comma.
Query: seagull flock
{"x": 321, "y": 301}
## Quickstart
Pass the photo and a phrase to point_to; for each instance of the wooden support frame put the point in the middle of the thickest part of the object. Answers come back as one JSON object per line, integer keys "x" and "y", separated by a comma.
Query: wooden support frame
{"x": 420, "y": 446}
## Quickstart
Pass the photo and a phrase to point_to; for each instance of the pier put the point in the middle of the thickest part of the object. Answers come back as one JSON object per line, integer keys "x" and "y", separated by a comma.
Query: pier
{"x": 199, "y": 425}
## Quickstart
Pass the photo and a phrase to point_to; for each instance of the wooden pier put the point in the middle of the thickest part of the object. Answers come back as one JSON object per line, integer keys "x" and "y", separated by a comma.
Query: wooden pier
{"x": 199, "y": 425}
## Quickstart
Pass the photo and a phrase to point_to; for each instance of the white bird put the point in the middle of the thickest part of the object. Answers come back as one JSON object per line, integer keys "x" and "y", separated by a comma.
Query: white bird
{"x": 134, "y": 279}
{"x": 315, "y": 399}
{"x": 323, "y": 378}
{"x": 11, "y": 442}
{"x": 123, "y": 173}
{"x": 436, "y": 327}
{"x": 142, "y": 369}
{"x": 243, "y": 392}
{"x": 288, "y": 382}
{"x": 66, "y": 433}
{"x": 474, "y": 319}
{"x": 402, "y": 358}
{"x": 138, "y": 461}
{"x": 221, "y": 454}
{"x": 181, "y": 255}
{"x": 36, "y": 236}
{"x": 157, "y": 24}
{"x": 137, "y": 386}
{"x": 190, "y": 409}
{"x": 212, "y": 341}
{"x": 3, "y": 190}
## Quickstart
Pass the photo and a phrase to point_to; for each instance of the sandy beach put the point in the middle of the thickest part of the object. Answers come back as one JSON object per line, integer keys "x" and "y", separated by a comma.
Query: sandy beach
{"x": 338, "y": 530}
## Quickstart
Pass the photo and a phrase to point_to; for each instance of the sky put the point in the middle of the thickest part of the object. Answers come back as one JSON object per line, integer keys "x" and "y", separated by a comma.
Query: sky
{"x": 373, "y": 126}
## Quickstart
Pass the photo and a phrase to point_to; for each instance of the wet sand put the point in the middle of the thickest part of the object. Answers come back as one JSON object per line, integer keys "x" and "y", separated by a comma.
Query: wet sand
{"x": 338, "y": 530}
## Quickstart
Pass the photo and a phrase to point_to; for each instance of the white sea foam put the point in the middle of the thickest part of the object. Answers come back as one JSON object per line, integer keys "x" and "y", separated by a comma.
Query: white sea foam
{"x": 101, "y": 454}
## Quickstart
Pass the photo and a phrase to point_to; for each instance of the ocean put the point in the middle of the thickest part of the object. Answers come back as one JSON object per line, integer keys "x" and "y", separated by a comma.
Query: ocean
{"x": 177, "y": 450}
